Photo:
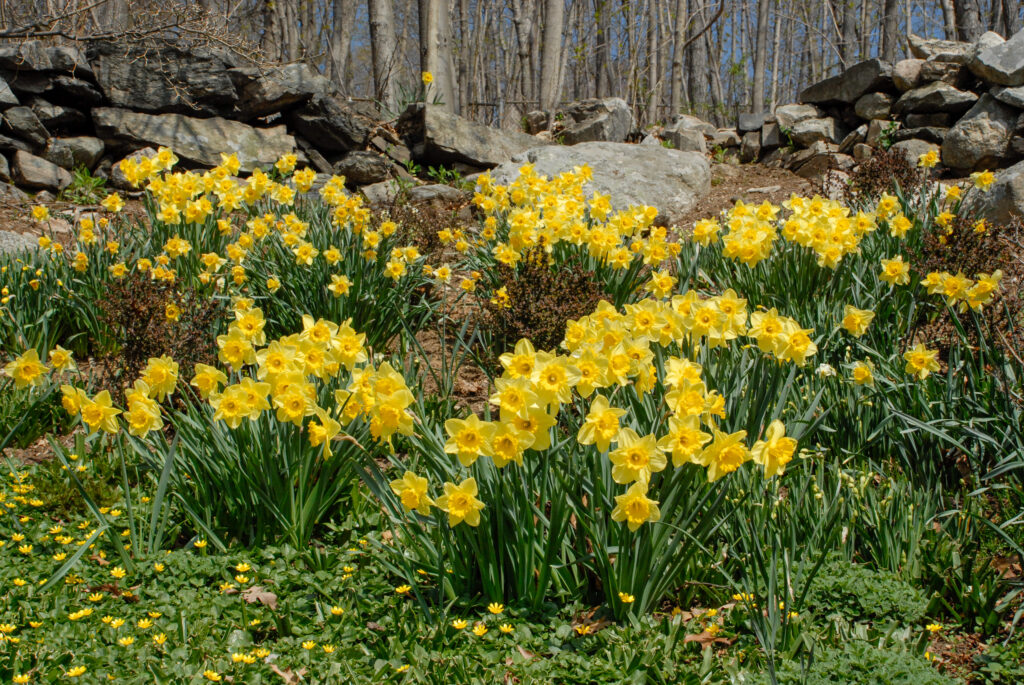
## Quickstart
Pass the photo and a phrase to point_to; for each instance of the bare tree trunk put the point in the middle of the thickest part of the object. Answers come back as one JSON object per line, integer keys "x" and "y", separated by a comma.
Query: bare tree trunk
{"x": 848, "y": 44}
{"x": 678, "y": 47}
{"x": 435, "y": 50}
{"x": 383, "y": 52}
{"x": 551, "y": 50}
{"x": 968, "y": 19}
{"x": 760, "y": 56}
{"x": 949, "y": 19}
{"x": 522, "y": 24}
{"x": 776, "y": 52}
{"x": 341, "y": 38}
{"x": 653, "y": 66}
{"x": 602, "y": 49}
{"x": 890, "y": 29}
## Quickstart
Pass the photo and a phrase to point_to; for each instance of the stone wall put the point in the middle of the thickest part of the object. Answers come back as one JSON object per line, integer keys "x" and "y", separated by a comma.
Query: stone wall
{"x": 61, "y": 109}
{"x": 963, "y": 100}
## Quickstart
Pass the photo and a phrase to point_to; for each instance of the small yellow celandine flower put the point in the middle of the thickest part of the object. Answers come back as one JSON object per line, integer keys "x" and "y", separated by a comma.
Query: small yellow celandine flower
{"x": 309, "y": 644}
{"x": 626, "y": 598}
{"x": 118, "y": 572}
{"x": 479, "y": 630}
{"x": 933, "y": 627}
{"x": 495, "y": 608}
{"x": 337, "y": 611}
{"x": 459, "y": 623}
{"x": 200, "y": 544}
{"x": 75, "y": 672}
{"x": 21, "y": 678}
{"x": 329, "y": 649}
{"x": 212, "y": 675}
{"x": 159, "y": 638}
{"x": 921, "y": 362}
{"x": 983, "y": 180}
{"x": 402, "y": 669}
{"x": 506, "y": 628}
{"x": 126, "y": 641}
{"x": 427, "y": 78}
{"x": 583, "y": 629}
{"x": 403, "y": 589}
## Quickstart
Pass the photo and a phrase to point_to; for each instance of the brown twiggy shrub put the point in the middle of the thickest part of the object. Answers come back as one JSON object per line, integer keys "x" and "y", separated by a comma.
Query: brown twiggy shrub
{"x": 539, "y": 299}
{"x": 880, "y": 174}
{"x": 135, "y": 313}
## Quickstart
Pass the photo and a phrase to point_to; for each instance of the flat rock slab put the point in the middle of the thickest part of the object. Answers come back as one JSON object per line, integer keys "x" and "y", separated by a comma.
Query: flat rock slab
{"x": 1004, "y": 199}
{"x": 199, "y": 140}
{"x": 437, "y": 137}
{"x": 671, "y": 180}
{"x": 16, "y": 242}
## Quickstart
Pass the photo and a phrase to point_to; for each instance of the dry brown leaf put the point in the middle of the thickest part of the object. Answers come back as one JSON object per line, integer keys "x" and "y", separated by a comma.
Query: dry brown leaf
{"x": 289, "y": 676}
{"x": 258, "y": 595}
{"x": 705, "y": 638}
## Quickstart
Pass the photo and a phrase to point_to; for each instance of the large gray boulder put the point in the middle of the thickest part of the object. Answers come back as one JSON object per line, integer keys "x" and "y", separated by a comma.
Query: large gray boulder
{"x": 1005, "y": 197}
{"x": 265, "y": 91}
{"x": 687, "y": 139}
{"x": 934, "y": 97}
{"x": 331, "y": 125}
{"x": 1010, "y": 96}
{"x": 600, "y": 119}
{"x": 810, "y": 131}
{"x": 913, "y": 149}
{"x": 847, "y": 87}
{"x": 31, "y": 55}
{"x": 35, "y": 173}
{"x": 23, "y": 123}
{"x": 435, "y": 136}
{"x": 58, "y": 118}
{"x": 362, "y": 168}
{"x": 165, "y": 79}
{"x": 906, "y": 74}
{"x": 981, "y": 139}
{"x": 789, "y": 115}
{"x": 1001, "y": 63}
{"x": 671, "y": 180}
{"x": 953, "y": 73}
{"x": 70, "y": 153}
{"x": 874, "y": 106}
{"x": 939, "y": 50}
{"x": 7, "y": 96}
{"x": 199, "y": 140}
{"x": 689, "y": 122}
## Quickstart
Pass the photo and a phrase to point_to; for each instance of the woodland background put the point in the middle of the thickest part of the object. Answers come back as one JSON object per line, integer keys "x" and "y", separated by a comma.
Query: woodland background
{"x": 494, "y": 60}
